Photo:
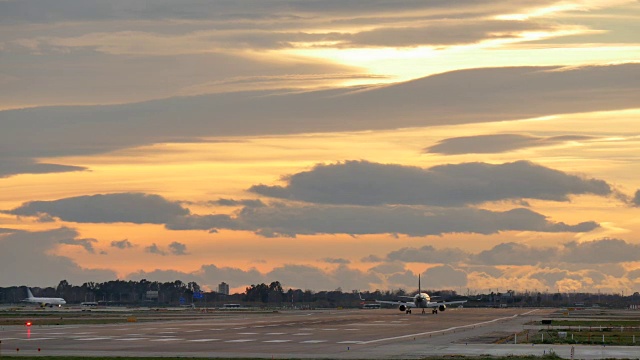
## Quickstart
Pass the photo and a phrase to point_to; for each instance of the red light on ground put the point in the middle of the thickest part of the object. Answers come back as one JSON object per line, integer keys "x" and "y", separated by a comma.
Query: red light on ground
{"x": 28, "y": 323}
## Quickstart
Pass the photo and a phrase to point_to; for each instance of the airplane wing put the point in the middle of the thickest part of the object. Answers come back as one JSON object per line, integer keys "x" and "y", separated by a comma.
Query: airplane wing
{"x": 438, "y": 303}
{"x": 408, "y": 304}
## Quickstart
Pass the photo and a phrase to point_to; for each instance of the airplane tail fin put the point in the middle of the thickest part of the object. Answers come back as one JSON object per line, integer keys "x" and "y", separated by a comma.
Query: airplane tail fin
{"x": 29, "y": 294}
{"x": 419, "y": 287}
{"x": 360, "y": 296}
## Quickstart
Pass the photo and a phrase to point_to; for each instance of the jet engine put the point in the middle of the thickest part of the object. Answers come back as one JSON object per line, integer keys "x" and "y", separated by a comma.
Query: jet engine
{"x": 442, "y": 307}
{"x": 402, "y": 308}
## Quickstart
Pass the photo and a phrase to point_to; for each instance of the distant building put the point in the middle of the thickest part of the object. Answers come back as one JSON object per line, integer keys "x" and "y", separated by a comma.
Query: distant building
{"x": 152, "y": 295}
{"x": 223, "y": 288}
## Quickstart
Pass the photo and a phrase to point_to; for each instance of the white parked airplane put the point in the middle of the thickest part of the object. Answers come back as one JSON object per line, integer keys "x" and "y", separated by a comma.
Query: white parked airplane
{"x": 44, "y": 301}
{"x": 420, "y": 300}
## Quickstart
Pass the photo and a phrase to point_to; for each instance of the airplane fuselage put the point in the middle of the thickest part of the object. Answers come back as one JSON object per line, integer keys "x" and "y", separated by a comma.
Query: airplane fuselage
{"x": 44, "y": 301}
{"x": 421, "y": 300}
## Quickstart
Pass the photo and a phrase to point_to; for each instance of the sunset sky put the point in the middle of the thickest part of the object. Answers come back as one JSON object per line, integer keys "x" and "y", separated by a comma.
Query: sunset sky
{"x": 353, "y": 144}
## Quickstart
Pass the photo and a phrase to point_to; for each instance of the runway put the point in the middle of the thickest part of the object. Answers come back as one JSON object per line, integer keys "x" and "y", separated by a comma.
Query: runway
{"x": 301, "y": 334}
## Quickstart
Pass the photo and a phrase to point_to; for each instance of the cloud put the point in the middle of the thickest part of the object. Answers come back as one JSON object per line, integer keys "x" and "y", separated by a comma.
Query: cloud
{"x": 154, "y": 249}
{"x": 603, "y": 255}
{"x": 497, "y": 143}
{"x": 366, "y": 183}
{"x": 135, "y": 208}
{"x": 550, "y": 277}
{"x": 428, "y": 254}
{"x": 636, "y": 199}
{"x": 491, "y": 94}
{"x": 233, "y": 276}
{"x": 446, "y": 32}
{"x": 231, "y": 202}
{"x": 515, "y": 254}
{"x": 444, "y": 276}
{"x": 122, "y": 244}
{"x": 87, "y": 244}
{"x": 309, "y": 277}
{"x": 292, "y": 220}
{"x": 297, "y": 276}
{"x": 168, "y": 275}
{"x": 336, "y": 261}
{"x": 10, "y": 167}
{"x": 371, "y": 258}
{"x": 263, "y": 13}
{"x": 177, "y": 248}
{"x": 37, "y": 251}
{"x": 600, "y": 251}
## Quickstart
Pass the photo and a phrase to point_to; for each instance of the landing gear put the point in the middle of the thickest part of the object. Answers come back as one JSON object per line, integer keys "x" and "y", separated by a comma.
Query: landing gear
{"x": 434, "y": 311}
{"x": 423, "y": 311}
{"x": 408, "y": 311}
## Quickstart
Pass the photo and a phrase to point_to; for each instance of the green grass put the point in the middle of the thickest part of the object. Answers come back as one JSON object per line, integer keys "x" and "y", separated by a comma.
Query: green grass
{"x": 593, "y": 323}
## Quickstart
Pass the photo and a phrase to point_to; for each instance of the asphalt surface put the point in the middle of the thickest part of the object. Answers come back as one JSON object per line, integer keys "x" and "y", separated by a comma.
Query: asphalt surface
{"x": 336, "y": 334}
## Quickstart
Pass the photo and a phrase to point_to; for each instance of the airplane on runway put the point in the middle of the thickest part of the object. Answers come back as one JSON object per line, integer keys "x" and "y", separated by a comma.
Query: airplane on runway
{"x": 420, "y": 300}
{"x": 44, "y": 301}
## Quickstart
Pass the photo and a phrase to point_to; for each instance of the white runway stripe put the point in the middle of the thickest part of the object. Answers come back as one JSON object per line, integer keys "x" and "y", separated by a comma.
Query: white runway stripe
{"x": 203, "y": 340}
{"x": 313, "y": 341}
{"x": 240, "y": 340}
{"x": 94, "y": 338}
{"x": 131, "y": 339}
{"x": 276, "y": 341}
{"x": 168, "y": 339}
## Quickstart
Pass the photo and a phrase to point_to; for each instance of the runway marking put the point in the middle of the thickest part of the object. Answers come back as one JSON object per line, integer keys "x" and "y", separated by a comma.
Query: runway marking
{"x": 216, "y": 329}
{"x": 38, "y": 339}
{"x": 192, "y": 331}
{"x": 168, "y": 339}
{"x": 203, "y": 340}
{"x": 351, "y": 329}
{"x": 240, "y": 340}
{"x": 445, "y": 330}
{"x": 85, "y": 333}
{"x": 240, "y": 328}
{"x": 349, "y": 342}
{"x": 276, "y": 341}
{"x": 302, "y": 334}
{"x": 95, "y": 338}
{"x": 167, "y": 332}
{"x": 329, "y": 329}
{"x": 131, "y": 339}
{"x": 248, "y": 333}
{"x": 312, "y": 341}
{"x": 275, "y": 333}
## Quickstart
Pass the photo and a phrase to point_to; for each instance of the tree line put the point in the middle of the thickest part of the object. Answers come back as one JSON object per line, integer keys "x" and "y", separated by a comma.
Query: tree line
{"x": 174, "y": 293}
